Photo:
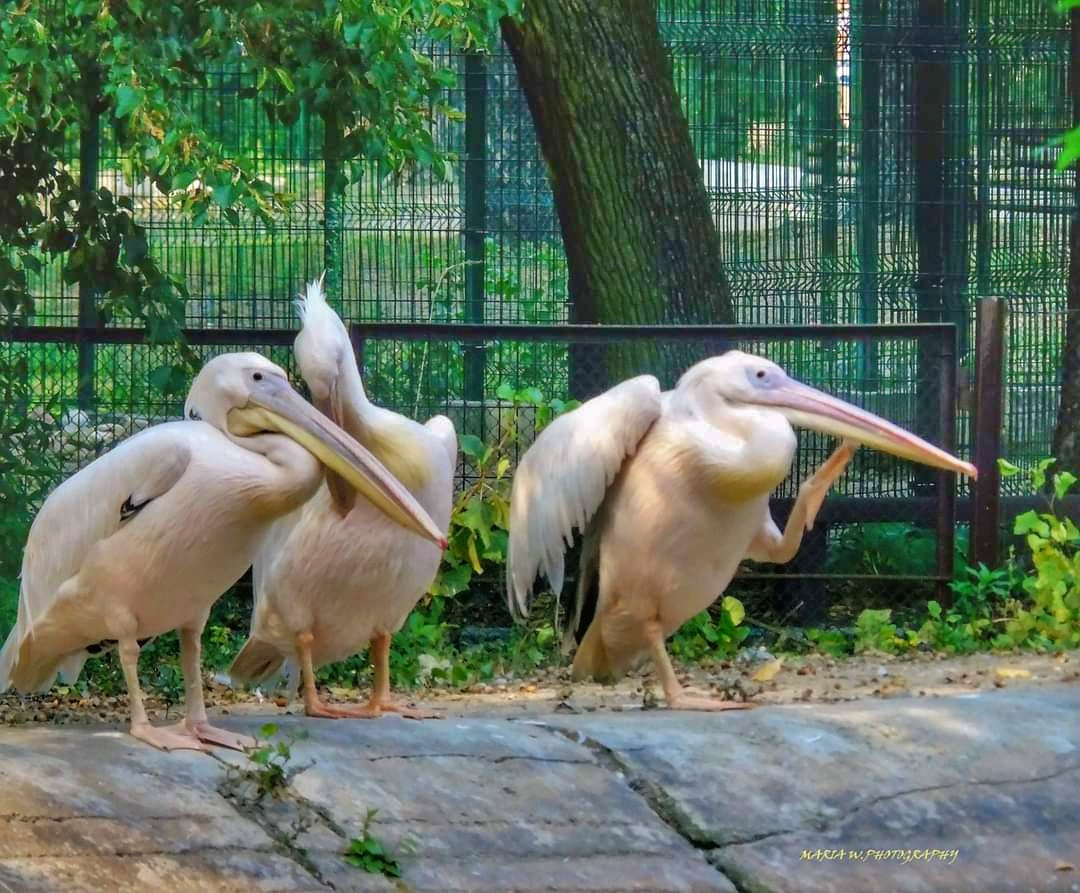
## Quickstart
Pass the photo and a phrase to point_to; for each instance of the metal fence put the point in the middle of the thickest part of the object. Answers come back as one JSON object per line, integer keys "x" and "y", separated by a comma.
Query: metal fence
{"x": 881, "y": 163}
{"x": 888, "y": 532}
{"x": 875, "y": 164}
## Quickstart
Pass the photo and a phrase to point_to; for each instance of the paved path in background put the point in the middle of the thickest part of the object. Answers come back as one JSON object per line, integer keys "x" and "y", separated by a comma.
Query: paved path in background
{"x": 614, "y": 802}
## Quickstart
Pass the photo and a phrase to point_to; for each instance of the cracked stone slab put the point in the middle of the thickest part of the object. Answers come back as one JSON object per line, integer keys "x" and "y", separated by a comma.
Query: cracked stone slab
{"x": 489, "y": 805}
{"x": 992, "y": 775}
{"x": 92, "y": 811}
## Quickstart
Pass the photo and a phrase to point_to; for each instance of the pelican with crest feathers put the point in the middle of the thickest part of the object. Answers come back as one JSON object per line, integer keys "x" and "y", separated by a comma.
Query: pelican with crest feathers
{"x": 145, "y": 538}
{"x": 335, "y": 575}
{"x": 670, "y": 492}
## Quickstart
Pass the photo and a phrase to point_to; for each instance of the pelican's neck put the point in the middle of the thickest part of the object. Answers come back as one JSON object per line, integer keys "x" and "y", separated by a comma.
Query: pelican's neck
{"x": 740, "y": 452}
{"x": 296, "y": 472}
{"x": 395, "y": 440}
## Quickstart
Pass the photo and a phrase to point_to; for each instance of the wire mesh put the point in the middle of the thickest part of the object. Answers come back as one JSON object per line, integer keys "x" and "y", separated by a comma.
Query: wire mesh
{"x": 866, "y": 163}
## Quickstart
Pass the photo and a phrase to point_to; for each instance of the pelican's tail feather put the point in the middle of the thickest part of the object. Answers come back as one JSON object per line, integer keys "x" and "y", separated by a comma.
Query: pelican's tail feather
{"x": 7, "y": 659}
{"x": 71, "y": 666}
{"x": 256, "y": 662}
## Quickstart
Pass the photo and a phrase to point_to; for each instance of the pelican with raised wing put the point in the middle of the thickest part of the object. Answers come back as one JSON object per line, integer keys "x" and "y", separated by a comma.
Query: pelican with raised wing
{"x": 670, "y": 492}
{"x": 336, "y": 576}
{"x": 146, "y": 538}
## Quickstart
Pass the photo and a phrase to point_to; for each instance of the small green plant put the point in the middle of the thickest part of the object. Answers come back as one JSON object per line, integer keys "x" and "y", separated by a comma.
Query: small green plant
{"x": 834, "y": 642}
{"x": 876, "y": 631}
{"x": 1050, "y": 618}
{"x": 269, "y": 771}
{"x": 968, "y": 624}
{"x": 709, "y": 635}
{"x": 370, "y": 854}
{"x": 480, "y": 521}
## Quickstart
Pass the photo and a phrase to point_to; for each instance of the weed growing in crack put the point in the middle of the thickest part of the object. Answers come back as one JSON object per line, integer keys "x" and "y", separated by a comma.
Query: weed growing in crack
{"x": 370, "y": 854}
{"x": 268, "y": 772}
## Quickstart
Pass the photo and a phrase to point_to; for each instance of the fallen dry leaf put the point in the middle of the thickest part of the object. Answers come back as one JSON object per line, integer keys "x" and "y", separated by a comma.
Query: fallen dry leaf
{"x": 766, "y": 672}
{"x": 1064, "y": 866}
{"x": 1012, "y": 673}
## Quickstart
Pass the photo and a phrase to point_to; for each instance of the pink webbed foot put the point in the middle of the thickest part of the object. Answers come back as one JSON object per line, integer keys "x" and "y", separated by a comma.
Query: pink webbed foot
{"x": 168, "y": 738}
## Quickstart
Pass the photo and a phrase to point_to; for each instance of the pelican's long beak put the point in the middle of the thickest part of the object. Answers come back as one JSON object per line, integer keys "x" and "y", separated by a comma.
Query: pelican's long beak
{"x": 810, "y": 408}
{"x": 274, "y": 405}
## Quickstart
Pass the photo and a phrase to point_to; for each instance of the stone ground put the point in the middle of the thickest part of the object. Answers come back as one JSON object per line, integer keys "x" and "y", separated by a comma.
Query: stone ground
{"x": 974, "y": 791}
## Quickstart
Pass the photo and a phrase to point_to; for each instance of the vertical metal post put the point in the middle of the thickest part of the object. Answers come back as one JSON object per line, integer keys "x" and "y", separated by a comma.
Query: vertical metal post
{"x": 827, "y": 125}
{"x": 989, "y": 406}
{"x": 333, "y": 203}
{"x": 89, "y": 154}
{"x": 357, "y": 340}
{"x": 927, "y": 138}
{"x": 475, "y": 215}
{"x": 983, "y": 146}
{"x": 946, "y": 480}
{"x": 868, "y": 72}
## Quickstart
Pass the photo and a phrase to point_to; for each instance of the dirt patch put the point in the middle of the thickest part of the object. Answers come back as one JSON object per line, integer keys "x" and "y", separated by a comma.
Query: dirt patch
{"x": 798, "y": 679}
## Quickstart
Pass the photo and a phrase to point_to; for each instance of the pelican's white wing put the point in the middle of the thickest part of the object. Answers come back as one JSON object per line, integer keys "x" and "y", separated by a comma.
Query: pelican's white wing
{"x": 87, "y": 508}
{"x": 563, "y": 477}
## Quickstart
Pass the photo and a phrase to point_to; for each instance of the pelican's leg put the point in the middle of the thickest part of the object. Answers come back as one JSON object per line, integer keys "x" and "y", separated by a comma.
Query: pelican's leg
{"x": 195, "y": 720}
{"x": 313, "y": 705}
{"x": 381, "y": 699}
{"x": 674, "y": 693}
{"x": 778, "y": 548}
{"x": 165, "y": 739}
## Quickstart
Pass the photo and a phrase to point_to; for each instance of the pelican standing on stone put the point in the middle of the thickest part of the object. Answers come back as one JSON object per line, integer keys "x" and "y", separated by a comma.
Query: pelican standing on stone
{"x": 671, "y": 492}
{"x": 147, "y": 537}
{"x": 335, "y": 575}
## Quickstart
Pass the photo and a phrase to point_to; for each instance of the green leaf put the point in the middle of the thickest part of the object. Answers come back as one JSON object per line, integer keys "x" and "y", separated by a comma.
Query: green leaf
{"x": 1006, "y": 469}
{"x": 472, "y": 446}
{"x": 1063, "y": 481}
{"x": 531, "y": 396}
{"x": 505, "y": 391}
{"x": 285, "y": 79}
{"x": 734, "y": 609}
{"x": 127, "y": 100}
{"x": 1030, "y": 522}
{"x": 933, "y": 608}
{"x": 1038, "y": 474}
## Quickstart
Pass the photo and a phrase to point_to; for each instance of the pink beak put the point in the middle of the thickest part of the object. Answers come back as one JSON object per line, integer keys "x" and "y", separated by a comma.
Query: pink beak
{"x": 808, "y": 407}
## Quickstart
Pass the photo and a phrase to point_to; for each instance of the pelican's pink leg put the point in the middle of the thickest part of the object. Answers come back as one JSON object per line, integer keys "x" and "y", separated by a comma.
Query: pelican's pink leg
{"x": 674, "y": 693}
{"x": 195, "y": 721}
{"x": 381, "y": 699}
{"x": 164, "y": 739}
{"x": 313, "y": 704}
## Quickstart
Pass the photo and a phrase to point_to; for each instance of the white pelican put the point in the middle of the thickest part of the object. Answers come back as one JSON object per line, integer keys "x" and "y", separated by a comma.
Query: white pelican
{"x": 671, "y": 492}
{"x": 147, "y": 537}
{"x": 335, "y": 575}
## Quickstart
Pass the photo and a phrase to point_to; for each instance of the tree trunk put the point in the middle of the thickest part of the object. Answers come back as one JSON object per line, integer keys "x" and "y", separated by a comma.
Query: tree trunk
{"x": 635, "y": 216}
{"x": 1067, "y": 434}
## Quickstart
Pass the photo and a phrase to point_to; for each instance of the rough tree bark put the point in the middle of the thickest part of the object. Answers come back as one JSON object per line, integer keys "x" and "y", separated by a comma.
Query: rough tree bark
{"x": 1067, "y": 433}
{"x": 633, "y": 209}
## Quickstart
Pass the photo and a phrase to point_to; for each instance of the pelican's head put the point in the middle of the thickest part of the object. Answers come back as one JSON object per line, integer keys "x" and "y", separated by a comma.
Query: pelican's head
{"x": 740, "y": 380}
{"x": 322, "y": 348}
{"x": 245, "y": 395}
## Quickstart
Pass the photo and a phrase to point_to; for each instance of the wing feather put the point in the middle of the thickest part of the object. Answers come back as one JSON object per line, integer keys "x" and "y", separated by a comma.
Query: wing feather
{"x": 88, "y": 507}
{"x": 563, "y": 477}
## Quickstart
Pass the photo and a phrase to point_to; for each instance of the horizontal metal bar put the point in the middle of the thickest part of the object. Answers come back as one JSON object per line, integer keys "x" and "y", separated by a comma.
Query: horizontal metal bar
{"x": 606, "y": 333}
{"x": 77, "y": 335}
{"x": 495, "y": 331}
{"x": 885, "y": 509}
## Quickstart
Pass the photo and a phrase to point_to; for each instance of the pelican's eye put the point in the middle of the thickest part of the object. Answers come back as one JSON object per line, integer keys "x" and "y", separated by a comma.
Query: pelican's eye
{"x": 761, "y": 373}
{"x": 257, "y": 376}
{"x": 194, "y": 415}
